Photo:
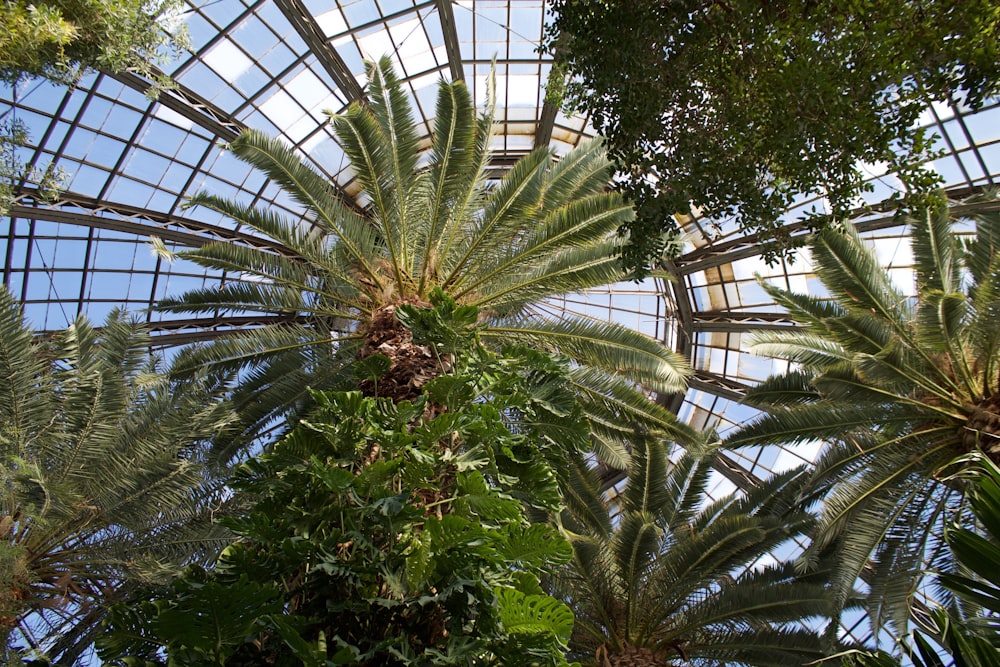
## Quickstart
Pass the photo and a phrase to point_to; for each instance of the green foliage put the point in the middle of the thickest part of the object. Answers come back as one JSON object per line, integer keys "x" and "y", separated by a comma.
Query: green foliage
{"x": 103, "y": 477}
{"x": 47, "y": 182}
{"x": 548, "y": 228}
{"x": 663, "y": 570}
{"x": 387, "y": 533}
{"x": 897, "y": 387}
{"x": 976, "y": 548}
{"x": 61, "y": 39}
{"x": 736, "y": 108}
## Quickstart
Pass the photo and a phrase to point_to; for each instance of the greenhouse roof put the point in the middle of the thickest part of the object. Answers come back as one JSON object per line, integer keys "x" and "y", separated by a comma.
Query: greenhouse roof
{"x": 132, "y": 159}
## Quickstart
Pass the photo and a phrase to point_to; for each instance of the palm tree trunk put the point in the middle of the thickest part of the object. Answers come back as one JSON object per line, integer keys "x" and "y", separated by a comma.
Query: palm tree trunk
{"x": 982, "y": 429}
{"x": 411, "y": 365}
{"x": 629, "y": 656}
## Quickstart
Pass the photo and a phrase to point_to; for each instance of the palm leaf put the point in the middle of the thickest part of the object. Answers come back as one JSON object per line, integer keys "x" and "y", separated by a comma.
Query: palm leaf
{"x": 454, "y": 173}
{"x": 852, "y": 274}
{"x": 512, "y": 202}
{"x": 646, "y": 492}
{"x": 110, "y": 485}
{"x": 602, "y": 345}
{"x": 307, "y": 187}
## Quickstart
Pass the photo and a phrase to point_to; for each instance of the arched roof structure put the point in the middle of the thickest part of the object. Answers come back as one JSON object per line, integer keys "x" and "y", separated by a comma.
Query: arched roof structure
{"x": 132, "y": 158}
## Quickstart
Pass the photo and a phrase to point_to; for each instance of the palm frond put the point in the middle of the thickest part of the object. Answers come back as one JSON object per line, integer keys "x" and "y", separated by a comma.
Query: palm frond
{"x": 247, "y": 348}
{"x": 310, "y": 189}
{"x": 586, "y": 511}
{"x": 570, "y": 271}
{"x": 809, "y": 422}
{"x": 801, "y": 347}
{"x": 936, "y": 251}
{"x": 777, "y": 391}
{"x": 685, "y": 487}
{"x": 984, "y": 328}
{"x": 766, "y": 646}
{"x": 109, "y": 484}
{"x": 511, "y": 204}
{"x": 455, "y": 173}
{"x": 582, "y": 172}
{"x": 396, "y": 153}
{"x": 622, "y": 409}
{"x": 852, "y": 274}
{"x": 756, "y": 598}
{"x": 603, "y": 345}
{"x": 634, "y": 544}
{"x": 584, "y": 222}
{"x": 811, "y": 311}
{"x": 381, "y": 143}
{"x": 253, "y": 297}
{"x": 646, "y": 492}
{"x": 25, "y": 399}
{"x": 672, "y": 576}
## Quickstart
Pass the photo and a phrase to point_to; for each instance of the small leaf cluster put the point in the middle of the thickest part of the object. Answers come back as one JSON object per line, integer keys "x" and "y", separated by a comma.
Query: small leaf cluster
{"x": 390, "y": 533}
{"x": 47, "y": 181}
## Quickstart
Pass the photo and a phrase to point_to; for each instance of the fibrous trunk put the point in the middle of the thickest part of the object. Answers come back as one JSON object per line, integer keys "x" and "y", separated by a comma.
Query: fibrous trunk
{"x": 411, "y": 365}
{"x": 630, "y": 656}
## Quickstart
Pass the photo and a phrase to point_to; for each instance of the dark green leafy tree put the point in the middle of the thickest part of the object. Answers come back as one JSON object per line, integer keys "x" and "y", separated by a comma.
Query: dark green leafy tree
{"x": 897, "y": 387}
{"x": 545, "y": 229}
{"x": 663, "y": 575}
{"x": 391, "y": 532}
{"x": 102, "y": 482}
{"x": 736, "y": 107}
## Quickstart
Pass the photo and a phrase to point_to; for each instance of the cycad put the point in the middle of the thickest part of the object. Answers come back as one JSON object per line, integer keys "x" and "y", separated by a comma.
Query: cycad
{"x": 545, "y": 229}
{"x": 660, "y": 576}
{"x": 100, "y": 482}
{"x": 896, "y": 387}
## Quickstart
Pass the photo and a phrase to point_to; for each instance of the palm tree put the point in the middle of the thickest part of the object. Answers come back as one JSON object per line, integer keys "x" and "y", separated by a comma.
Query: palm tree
{"x": 101, "y": 485}
{"x": 546, "y": 228}
{"x": 968, "y": 629}
{"x": 662, "y": 575}
{"x": 897, "y": 387}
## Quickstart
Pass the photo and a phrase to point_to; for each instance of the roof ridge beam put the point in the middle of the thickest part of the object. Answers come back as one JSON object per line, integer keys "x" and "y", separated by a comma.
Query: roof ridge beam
{"x": 189, "y": 104}
{"x": 450, "y": 32}
{"x": 131, "y": 220}
{"x": 310, "y": 32}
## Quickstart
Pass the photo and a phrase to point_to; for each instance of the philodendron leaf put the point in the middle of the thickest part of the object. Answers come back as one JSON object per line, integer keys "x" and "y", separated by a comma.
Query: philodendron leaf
{"x": 373, "y": 367}
{"x": 475, "y": 497}
{"x": 534, "y": 614}
{"x": 310, "y": 654}
{"x": 418, "y": 561}
{"x": 449, "y": 391}
{"x": 535, "y": 546}
{"x": 215, "y": 617}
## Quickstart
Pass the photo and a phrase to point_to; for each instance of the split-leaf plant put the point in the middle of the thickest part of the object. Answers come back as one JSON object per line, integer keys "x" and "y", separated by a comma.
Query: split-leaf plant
{"x": 391, "y": 532}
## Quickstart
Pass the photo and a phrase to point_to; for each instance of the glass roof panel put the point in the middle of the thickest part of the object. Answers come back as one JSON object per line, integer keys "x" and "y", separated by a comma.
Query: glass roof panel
{"x": 132, "y": 158}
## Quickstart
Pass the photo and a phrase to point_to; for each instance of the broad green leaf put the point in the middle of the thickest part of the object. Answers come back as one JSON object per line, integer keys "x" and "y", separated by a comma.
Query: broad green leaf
{"x": 534, "y": 614}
